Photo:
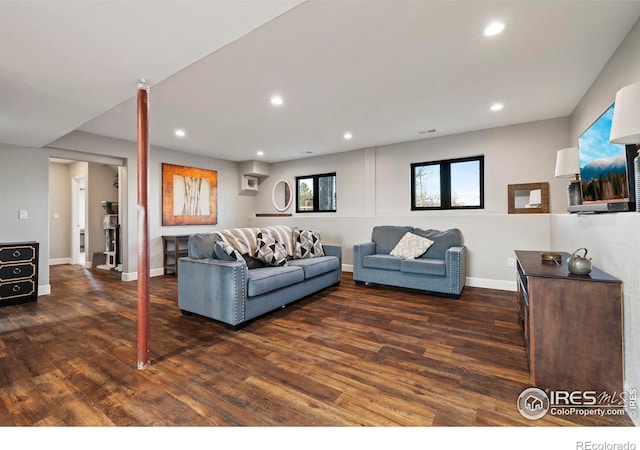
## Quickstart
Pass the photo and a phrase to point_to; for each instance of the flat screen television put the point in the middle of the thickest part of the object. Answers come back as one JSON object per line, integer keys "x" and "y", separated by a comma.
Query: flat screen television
{"x": 606, "y": 170}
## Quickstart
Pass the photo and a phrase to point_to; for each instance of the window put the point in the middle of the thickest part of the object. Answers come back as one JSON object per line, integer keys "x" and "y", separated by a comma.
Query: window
{"x": 316, "y": 193}
{"x": 448, "y": 184}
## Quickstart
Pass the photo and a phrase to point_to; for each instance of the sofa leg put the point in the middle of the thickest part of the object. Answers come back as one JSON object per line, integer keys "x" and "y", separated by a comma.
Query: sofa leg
{"x": 237, "y": 327}
{"x": 186, "y": 313}
{"x": 361, "y": 283}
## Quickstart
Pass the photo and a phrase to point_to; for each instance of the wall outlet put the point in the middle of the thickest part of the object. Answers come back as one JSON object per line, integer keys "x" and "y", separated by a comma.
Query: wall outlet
{"x": 23, "y": 214}
{"x": 511, "y": 262}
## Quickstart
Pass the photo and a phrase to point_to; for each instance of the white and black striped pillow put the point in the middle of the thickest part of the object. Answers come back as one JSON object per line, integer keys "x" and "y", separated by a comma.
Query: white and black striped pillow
{"x": 307, "y": 244}
{"x": 270, "y": 251}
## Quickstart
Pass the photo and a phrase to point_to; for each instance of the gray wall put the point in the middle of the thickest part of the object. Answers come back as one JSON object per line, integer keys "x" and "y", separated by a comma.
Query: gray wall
{"x": 613, "y": 240}
{"x": 233, "y": 209}
{"x": 374, "y": 189}
{"x": 60, "y": 213}
{"x": 99, "y": 188}
{"x": 24, "y": 179}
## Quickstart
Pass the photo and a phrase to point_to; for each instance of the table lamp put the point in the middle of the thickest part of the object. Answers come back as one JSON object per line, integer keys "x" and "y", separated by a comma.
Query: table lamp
{"x": 625, "y": 126}
{"x": 567, "y": 166}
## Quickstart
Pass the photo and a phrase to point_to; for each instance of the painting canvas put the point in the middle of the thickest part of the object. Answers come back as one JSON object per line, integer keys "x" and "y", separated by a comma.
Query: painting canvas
{"x": 189, "y": 196}
{"x": 603, "y": 166}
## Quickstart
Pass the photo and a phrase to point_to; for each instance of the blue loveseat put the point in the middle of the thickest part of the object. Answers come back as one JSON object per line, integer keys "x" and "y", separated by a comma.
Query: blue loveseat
{"x": 441, "y": 269}
{"x": 222, "y": 280}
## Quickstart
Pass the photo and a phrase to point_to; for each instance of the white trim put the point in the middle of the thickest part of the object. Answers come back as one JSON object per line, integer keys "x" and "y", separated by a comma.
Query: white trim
{"x": 59, "y": 261}
{"x": 133, "y": 276}
{"x": 502, "y": 285}
{"x": 44, "y": 289}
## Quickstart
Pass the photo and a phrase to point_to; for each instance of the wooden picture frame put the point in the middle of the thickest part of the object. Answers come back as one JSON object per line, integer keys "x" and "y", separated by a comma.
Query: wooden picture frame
{"x": 189, "y": 196}
{"x": 521, "y": 194}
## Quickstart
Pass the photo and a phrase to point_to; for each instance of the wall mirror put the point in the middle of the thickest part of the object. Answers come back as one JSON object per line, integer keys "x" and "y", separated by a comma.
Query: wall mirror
{"x": 530, "y": 198}
{"x": 281, "y": 195}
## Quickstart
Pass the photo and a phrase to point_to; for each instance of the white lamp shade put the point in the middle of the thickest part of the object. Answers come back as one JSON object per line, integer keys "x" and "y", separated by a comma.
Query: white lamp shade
{"x": 625, "y": 127}
{"x": 567, "y": 163}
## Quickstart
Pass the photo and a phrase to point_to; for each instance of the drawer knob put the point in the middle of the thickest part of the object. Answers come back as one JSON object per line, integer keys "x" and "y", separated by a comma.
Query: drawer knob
{"x": 16, "y": 253}
{"x": 16, "y": 288}
{"x": 17, "y": 271}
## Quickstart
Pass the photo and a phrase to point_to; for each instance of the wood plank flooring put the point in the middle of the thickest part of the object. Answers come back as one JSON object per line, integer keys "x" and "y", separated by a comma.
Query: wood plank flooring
{"x": 347, "y": 356}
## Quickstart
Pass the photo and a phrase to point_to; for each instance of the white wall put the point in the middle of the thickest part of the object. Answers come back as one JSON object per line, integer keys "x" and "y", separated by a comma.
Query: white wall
{"x": 374, "y": 189}
{"x": 613, "y": 240}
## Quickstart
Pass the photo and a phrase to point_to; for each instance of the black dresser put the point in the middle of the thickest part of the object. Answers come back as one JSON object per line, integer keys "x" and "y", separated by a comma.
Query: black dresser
{"x": 18, "y": 273}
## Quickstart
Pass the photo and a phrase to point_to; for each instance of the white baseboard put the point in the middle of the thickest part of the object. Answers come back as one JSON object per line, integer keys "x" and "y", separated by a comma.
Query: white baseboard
{"x": 44, "y": 289}
{"x": 133, "y": 276}
{"x": 60, "y": 261}
{"x": 471, "y": 281}
{"x": 492, "y": 284}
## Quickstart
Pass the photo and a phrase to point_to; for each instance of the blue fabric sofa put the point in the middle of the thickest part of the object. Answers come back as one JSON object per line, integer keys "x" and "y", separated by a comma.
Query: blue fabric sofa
{"x": 236, "y": 290}
{"x": 441, "y": 269}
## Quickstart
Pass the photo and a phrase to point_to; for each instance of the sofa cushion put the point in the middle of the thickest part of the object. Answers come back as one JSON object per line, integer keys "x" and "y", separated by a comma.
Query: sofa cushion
{"x": 270, "y": 251}
{"x": 411, "y": 246}
{"x": 202, "y": 245}
{"x": 385, "y": 262}
{"x": 387, "y": 236}
{"x": 306, "y": 244}
{"x": 442, "y": 240}
{"x": 226, "y": 252}
{"x": 424, "y": 266}
{"x": 316, "y": 266}
{"x": 268, "y": 279}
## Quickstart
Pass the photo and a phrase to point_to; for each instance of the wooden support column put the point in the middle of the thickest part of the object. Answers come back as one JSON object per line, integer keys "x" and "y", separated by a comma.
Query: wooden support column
{"x": 144, "y": 321}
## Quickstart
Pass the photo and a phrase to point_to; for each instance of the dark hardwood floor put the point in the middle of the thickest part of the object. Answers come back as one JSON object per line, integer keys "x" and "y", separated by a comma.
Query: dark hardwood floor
{"x": 347, "y": 356}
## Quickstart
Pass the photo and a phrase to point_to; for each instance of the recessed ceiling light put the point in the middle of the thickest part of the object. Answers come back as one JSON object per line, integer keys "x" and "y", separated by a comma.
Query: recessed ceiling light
{"x": 496, "y": 107}
{"x": 180, "y": 133}
{"x": 494, "y": 28}
{"x": 348, "y": 136}
{"x": 260, "y": 153}
{"x": 276, "y": 100}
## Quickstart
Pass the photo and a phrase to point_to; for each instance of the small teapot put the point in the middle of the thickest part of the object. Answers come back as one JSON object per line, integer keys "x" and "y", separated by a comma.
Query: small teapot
{"x": 579, "y": 265}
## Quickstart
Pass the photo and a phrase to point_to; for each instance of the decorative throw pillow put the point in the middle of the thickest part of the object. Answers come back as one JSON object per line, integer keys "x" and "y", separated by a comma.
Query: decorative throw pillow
{"x": 411, "y": 246}
{"x": 225, "y": 252}
{"x": 270, "y": 251}
{"x": 306, "y": 244}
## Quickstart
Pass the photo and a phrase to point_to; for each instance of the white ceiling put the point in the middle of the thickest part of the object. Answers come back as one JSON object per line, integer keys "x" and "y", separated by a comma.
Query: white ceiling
{"x": 383, "y": 70}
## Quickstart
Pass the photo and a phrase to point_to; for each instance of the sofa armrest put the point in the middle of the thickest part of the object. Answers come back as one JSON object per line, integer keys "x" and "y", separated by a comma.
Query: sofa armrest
{"x": 456, "y": 263}
{"x": 359, "y": 252}
{"x": 213, "y": 288}
{"x": 332, "y": 250}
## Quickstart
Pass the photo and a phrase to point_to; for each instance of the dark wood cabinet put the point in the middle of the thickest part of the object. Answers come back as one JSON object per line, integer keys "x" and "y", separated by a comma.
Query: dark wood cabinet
{"x": 18, "y": 272}
{"x": 571, "y": 325}
{"x": 173, "y": 248}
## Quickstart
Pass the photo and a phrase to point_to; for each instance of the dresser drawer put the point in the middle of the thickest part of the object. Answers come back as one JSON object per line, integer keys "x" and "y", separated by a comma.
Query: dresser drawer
{"x": 17, "y": 271}
{"x": 17, "y": 289}
{"x": 17, "y": 253}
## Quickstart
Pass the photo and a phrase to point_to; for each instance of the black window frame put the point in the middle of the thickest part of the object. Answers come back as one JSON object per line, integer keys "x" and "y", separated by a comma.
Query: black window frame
{"x": 445, "y": 183}
{"x": 316, "y": 190}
